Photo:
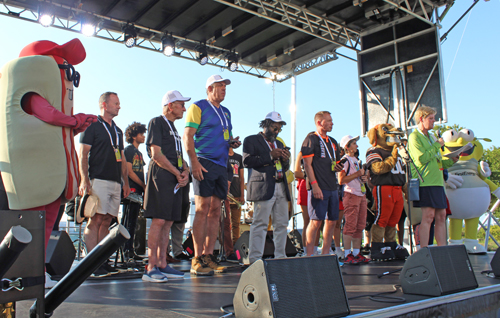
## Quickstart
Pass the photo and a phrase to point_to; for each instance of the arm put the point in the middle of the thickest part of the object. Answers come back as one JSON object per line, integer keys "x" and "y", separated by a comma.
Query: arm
{"x": 84, "y": 169}
{"x": 299, "y": 174}
{"x": 241, "y": 173}
{"x": 134, "y": 177}
{"x": 419, "y": 153}
{"x": 251, "y": 159}
{"x": 159, "y": 158}
{"x": 196, "y": 167}
{"x": 318, "y": 194}
{"x": 126, "y": 186}
{"x": 381, "y": 167}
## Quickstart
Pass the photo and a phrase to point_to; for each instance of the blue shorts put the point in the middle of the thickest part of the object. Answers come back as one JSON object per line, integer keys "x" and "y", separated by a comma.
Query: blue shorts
{"x": 326, "y": 209}
{"x": 214, "y": 181}
{"x": 431, "y": 197}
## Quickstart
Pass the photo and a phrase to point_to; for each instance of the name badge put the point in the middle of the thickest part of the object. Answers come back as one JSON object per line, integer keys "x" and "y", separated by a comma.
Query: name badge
{"x": 226, "y": 134}
{"x": 118, "y": 155}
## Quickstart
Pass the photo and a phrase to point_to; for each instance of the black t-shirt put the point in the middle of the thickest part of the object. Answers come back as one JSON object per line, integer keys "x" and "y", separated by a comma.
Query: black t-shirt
{"x": 236, "y": 162}
{"x": 134, "y": 156}
{"x": 395, "y": 177}
{"x": 321, "y": 161}
{"x": 160, "y": 134}
{"x": 102, "y": 158}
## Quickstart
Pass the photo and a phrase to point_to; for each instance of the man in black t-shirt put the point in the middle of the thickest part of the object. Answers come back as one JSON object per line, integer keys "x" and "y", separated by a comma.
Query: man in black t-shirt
{"x": 102, "y": 169}
{"x": 134, "y": 135}
{"x": 168, "y": 174}
{"x": 321, "y": 154}
{"x": 237, "y": 190}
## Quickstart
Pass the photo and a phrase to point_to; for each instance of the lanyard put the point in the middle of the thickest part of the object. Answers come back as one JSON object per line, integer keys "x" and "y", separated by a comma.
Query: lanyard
{"x": 221, "y": 123}
{"x": 438, "y": 154}
{"x": 328, "y": 151}
{"x": 110, "y": 138}
{"x": 177, "y": 138}
{"x": 275, "y": 146}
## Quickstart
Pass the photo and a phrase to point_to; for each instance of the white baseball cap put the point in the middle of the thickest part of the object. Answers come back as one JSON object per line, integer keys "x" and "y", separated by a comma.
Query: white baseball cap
{"x": 173, "y": 96}
{"x": 346, "y": 139}
{"x": 276, "y": 117}
{"x": 216, "y": 79}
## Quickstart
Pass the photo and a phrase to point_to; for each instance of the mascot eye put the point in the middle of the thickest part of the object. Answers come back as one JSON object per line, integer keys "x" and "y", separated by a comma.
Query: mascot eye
{"x": 385, "y": 129}
{"x": 466, "y": 134}
{"x": 450, "y": 135}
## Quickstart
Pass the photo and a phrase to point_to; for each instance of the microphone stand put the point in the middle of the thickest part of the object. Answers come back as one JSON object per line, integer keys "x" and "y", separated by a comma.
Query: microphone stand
{"x": 408, "y": 160}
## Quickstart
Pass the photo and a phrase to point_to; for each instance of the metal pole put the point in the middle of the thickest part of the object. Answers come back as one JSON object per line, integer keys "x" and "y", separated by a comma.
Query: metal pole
{"x": 293, "y": 106}
{"x": 490, "y": 214}
{"x": 117, "y": 236}
{"x": 11, "y": 247}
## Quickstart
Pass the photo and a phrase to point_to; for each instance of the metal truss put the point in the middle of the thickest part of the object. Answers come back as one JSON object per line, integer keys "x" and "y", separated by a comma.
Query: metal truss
{"x": 300, "y": 19}
{"x": 418, "y": 9}
{"x": 152, "y": 42}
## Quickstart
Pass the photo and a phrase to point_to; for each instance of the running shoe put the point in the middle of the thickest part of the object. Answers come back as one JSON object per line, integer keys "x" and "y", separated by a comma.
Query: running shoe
{"x": 154, "y": 276}
{"x": 361, "y": 259}
{"x": 350, "y": 259}
{"x": 171, "y": 272}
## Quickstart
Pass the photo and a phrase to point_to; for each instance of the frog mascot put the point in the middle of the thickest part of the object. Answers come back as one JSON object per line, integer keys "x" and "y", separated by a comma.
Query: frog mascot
{"x": 468, "y": 190}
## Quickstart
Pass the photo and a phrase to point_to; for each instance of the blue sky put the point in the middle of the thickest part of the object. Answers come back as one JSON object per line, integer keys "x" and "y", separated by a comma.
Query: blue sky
{"x": 141, "y": 78}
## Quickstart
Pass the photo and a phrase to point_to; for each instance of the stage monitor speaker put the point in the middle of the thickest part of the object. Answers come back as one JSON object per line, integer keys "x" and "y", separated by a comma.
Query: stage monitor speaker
{"x": 292, "y": 287}
{"x": 242, "y": 247}
{"x": 437, "y": 271}
{"x": 60, "y": 254}
{"x": 495, "y": 263}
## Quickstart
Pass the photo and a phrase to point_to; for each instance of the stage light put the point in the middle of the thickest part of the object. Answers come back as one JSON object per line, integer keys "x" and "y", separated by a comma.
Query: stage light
{"x": 129, "y": 35}
{"x": 88, "y": 29}
{"x": 168, "y": 45}
{"x": 45, "y": 15}
{"x": 232, "y": 62}
{"x": 202, "y": 55}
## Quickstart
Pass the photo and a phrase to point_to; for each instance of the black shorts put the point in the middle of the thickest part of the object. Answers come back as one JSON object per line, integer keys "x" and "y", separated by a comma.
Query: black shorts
{"x": 431, "y": 197}
{"x": 160, "y": 202}
{"x": 214, "y": 181}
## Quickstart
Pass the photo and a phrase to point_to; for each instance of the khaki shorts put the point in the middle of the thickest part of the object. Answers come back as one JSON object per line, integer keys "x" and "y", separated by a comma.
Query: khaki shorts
{"x": 109, "y": 194}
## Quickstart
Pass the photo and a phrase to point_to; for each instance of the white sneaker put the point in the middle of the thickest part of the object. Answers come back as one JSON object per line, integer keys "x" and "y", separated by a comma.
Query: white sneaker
{"x": 49, "y": 283}
{"x": 340, "y": 254}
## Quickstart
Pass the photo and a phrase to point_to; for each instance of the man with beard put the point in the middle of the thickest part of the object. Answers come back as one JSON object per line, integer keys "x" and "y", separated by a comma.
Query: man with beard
{"x": 267, "y": 161}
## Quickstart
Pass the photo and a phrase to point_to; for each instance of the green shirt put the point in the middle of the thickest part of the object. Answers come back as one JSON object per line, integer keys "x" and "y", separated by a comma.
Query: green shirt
{"x": 425, "y": 153}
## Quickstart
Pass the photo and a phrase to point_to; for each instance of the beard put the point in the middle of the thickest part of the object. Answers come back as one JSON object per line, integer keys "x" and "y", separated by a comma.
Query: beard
{"x": 270, "y": 135}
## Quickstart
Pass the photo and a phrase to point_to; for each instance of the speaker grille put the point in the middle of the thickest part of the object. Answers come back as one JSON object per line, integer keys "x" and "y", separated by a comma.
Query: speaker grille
{"x": 453, "y": 268}
{"x": 306, "y": 287}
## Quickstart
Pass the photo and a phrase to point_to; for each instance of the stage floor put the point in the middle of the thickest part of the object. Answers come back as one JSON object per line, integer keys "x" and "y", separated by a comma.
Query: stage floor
{"x": 203, "y": 296}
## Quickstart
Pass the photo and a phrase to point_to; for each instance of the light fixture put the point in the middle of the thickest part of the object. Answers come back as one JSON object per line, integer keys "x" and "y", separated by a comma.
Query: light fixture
{"x": 227, "y": 31}
{"x": 168, "y": 45}
{"x": 45, "y": 15}
{"x": 232, "y": 61}
{"x": 202, "y": 55}
{"x": 88, "y": 27}
{"x": 129, "y": 35}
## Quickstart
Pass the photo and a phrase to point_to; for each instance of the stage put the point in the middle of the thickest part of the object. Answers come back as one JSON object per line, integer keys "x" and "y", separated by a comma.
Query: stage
{"x": 203, "y": 296}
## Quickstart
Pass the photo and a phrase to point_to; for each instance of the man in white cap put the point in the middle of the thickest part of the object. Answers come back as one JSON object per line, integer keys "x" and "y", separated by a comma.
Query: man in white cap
{"x": 207, "y": 139}
{"x": 267, "y": 161}
{"x": 168, "y": 173}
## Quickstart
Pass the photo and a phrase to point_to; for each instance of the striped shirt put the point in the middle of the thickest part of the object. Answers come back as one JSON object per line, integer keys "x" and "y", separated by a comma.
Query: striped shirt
{"x": 209, "y": 140}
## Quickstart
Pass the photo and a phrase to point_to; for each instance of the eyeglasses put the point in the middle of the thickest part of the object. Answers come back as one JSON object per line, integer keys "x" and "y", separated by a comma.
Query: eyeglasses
{"x": 276, "y": 129}
{"x": 71, "y": 74}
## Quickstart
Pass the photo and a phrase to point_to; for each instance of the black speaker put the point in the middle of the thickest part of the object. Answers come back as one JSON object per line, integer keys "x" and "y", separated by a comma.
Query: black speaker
{"x": 437, "y": 271}
{"x": 242, "y": 247}
{"x": 188, "y": 246}
{"x": 495, "y": 263}
{"x": 60, "y": 254}
{"x": 140, "y": 235}
{"x": 292, "y": 287}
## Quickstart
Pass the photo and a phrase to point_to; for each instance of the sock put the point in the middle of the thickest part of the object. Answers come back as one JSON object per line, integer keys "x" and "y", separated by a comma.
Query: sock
{"x": 315, "y": 250}
{"x": 355, "y": 251}
{"x": 338, "y": 249}
{"x": 347, "y": 252}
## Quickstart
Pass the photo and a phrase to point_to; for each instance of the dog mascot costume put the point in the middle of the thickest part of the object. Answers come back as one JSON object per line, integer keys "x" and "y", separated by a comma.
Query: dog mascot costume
{"x": 388, "y": 176}
{"x": 468, "y": 189}
{"x": 38, "y": 161}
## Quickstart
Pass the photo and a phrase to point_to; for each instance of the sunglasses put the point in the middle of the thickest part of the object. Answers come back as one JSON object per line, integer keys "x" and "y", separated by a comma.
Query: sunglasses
{"x": 71, "y": 74}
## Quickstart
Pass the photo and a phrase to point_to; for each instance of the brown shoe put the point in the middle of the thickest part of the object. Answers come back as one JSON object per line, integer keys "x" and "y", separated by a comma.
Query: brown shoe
{"x": 199, "y": 268}
{"x": 170, "y": 259}
{"x": 209, "y": 260}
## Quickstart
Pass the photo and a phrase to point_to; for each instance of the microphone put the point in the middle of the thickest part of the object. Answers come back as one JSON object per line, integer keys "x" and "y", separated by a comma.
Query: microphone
{"x": 439, "y": 136}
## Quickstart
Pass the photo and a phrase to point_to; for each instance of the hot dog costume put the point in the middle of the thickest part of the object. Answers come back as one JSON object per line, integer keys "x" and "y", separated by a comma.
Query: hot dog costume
{"x": 468, "y": 189}
{"x": 38, "y": 161}
{"x": 388, "y": 176}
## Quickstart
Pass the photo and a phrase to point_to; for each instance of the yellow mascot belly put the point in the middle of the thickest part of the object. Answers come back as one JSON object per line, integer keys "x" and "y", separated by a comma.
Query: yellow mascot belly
{"x": 468, "y": 203}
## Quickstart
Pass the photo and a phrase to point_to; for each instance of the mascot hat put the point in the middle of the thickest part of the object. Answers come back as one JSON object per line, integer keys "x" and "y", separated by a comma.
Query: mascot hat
{"x": 72, "y": 51}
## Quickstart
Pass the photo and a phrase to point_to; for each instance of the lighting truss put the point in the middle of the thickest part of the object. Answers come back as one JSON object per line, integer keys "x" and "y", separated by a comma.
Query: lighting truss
{"x": 298, "y": 18}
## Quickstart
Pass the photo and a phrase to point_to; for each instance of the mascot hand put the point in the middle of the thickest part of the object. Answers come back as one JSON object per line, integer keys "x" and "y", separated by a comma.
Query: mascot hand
{"x": 454, "y": 181}
{"x": 485, "y": 169}
{"x": 395, "y": 151}
{"x": 83, "y": 121}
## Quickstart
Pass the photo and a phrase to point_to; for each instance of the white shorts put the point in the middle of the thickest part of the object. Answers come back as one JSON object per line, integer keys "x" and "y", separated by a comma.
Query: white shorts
{"x": 109, "y": 194}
